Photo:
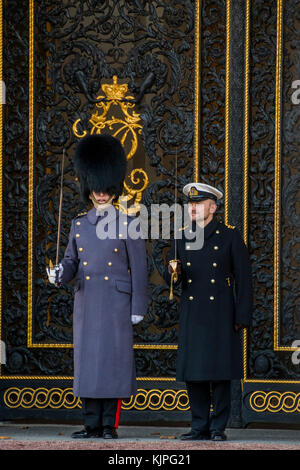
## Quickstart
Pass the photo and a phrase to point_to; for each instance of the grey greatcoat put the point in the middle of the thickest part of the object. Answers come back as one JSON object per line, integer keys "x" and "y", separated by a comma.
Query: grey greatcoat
{"x": 111, "y": 285}
{"x": 216, "y": 294}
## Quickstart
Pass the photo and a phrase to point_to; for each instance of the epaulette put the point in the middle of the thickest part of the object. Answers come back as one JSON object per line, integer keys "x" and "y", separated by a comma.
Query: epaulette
{"x": 81, "y": 214}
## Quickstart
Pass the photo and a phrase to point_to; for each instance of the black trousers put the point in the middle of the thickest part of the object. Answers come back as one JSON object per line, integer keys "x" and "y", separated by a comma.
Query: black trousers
{"x": 99, "y": 412}
{"x": 204, "y": 394}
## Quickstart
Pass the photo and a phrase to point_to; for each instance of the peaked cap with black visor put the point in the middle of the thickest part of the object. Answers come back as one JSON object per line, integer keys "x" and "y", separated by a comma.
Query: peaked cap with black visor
{"x": 196, "y": 192}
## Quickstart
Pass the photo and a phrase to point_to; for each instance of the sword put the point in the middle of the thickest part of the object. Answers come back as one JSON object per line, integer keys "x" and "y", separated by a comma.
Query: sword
{"x": 174, "y": 262}
{"x": 60, "y": 208}
{"x": 56, "y": 266}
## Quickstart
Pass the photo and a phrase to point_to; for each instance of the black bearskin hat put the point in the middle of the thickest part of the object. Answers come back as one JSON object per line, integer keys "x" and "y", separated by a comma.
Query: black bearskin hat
{"x": 100, "y": 163}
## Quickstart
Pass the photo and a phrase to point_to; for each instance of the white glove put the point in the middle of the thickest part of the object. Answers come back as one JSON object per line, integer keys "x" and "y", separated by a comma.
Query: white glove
{"x": 136, "y": 319}
{"x": 52, "y": 273}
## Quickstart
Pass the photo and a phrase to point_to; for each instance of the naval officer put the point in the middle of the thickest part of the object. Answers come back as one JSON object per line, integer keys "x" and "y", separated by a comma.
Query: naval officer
{"x": 215, "y": 306}
{"x": 110, "y": 288}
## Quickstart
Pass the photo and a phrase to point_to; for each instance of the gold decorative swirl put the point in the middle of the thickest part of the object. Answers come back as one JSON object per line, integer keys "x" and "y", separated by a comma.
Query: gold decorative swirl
{"x": 158, "y": 400}
{"x": 133, "y": 193}
{"x": 128, "y": 125}
{"x": 57, "y": 398}
{"x": 274, "y": 401}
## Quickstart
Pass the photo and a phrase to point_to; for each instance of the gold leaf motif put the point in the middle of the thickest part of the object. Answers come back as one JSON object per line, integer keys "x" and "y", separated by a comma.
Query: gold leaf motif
{"x": 126, "y": 128}
{"x": 133, "y": 194}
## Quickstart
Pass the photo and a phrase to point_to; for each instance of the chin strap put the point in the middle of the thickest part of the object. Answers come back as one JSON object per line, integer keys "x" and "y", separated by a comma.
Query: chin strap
{"x": 101, "y": 204}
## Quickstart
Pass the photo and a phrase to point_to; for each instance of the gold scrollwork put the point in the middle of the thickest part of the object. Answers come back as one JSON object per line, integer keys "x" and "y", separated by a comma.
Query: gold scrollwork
{"x": 274, "y": 401}
{"x": 158, "y": 400}
{"x": 115, "y": 95}
{"x": 132, "y": 193}
{"x": 27, "y": 397}
{"x": 56, "y": 398}
{"x": 124, "y": 128}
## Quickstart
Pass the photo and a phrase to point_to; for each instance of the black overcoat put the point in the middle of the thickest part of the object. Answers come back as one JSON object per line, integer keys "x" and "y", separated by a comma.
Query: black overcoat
{"x": 216, "y": 295}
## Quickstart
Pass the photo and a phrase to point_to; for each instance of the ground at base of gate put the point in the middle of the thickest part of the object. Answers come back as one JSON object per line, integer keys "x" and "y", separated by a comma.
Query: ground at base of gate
{"x": 24, "y": 436}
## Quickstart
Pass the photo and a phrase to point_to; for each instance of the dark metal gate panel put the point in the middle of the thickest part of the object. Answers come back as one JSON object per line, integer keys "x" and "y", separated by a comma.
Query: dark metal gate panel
{"x": 210, "y": 81}
{"x": 272, "y": 372}
{"x": 74, "y": 67}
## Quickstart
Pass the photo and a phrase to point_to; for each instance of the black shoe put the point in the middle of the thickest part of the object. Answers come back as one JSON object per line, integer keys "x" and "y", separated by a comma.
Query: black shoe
{"x": 87, "y": 434}
{"x": 110, "y": 433}
{"x": 195, "y": 436}
{"x": 218, "y": 436}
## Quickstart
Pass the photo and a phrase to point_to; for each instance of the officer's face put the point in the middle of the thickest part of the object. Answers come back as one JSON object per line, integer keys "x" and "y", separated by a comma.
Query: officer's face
{"x": 101, "y": 198}
{"x": 202, "y": 210}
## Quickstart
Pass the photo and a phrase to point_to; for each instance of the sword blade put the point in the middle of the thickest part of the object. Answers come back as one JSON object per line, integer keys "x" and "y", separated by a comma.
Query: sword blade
{"x": 175, "y": 215}
{"x": 60, "y": 208}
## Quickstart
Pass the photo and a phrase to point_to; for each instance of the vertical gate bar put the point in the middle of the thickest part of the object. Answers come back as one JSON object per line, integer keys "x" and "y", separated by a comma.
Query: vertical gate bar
{"x": 246, "y": 153}
{"x": 197, "y": 119}
{"x": 234, "y": 112}
{"x": 227, "y": 123}
{"x": 234, "y": 141}
{"x": 1, "y": 166}
{"x": 277, "y": 164}
{"x": 30, "y": 168}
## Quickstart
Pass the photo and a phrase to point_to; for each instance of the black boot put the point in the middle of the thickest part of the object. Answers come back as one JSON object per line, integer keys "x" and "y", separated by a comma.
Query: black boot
{"x": 194, "y": 435}
{"x": 110, "y": 432}
{"x": 218, "y": 436}
{"x": 87, "y": 433}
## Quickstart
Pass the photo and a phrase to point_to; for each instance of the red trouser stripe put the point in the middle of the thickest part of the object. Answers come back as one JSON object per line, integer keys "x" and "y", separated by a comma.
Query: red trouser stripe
{"x": 118, "y": 413}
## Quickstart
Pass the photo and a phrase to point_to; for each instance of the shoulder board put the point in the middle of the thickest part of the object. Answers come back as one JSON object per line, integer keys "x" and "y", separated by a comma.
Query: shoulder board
{"x": 81, "y": 214}
{"x": 183, "y": 228}
{"x": 230, "y": 226}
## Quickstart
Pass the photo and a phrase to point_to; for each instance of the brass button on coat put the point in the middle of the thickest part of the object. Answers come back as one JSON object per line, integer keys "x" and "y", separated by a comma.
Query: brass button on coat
{"x": 109, "y": 263}
{"x": 188, "y": 263}
{"x": 80, "y": 249}
{"x": 216, "y": 247}
{"x": 87, "y": 278}
{"x": 106, "y": 278}
{"x": 214, "y": 265}
{"x": 115, "y": 250}
{"x": 78, "y": 223}
{"x": 212, "y": 281}
{"x": 77, "y": 235}
{"x": 189, "y": 281}
{"x": 211, "y": 297}
{"x": 84, "y": 263}
{"x": 191, "y": 298}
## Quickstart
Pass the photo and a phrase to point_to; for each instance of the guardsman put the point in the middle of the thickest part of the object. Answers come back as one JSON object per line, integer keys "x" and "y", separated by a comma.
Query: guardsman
{"x": 110, "y": 291}
{"x": 215, "y": 305}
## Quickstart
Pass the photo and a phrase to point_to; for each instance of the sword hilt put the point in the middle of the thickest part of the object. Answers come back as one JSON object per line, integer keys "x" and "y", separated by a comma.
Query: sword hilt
{"x": 174, "y": 275}
{"x": 56, "y": 269}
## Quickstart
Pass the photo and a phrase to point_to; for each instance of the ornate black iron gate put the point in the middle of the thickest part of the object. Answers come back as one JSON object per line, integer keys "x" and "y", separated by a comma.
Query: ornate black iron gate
{"x": 209, "y": 81}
